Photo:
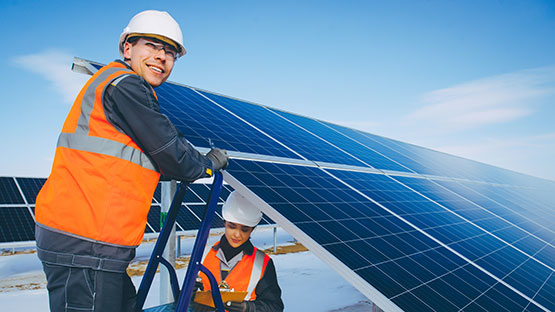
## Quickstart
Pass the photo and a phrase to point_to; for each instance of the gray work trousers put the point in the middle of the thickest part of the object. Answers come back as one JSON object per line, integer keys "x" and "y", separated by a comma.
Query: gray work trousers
{"x": 83, "y": 289}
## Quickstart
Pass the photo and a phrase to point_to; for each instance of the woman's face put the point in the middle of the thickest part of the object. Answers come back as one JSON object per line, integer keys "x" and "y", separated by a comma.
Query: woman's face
{"x": 236, "y": 234}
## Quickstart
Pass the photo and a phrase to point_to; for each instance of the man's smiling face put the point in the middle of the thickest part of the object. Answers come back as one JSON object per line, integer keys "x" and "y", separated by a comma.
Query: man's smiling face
{"x": 154, "y": 66}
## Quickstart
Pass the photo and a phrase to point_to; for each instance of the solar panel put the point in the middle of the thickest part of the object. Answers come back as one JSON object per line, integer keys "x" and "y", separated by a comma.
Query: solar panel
{"x": 414, "y": 249}
{"x": 416, "y": 243}
{"x": 200, "y": 119}
{"x": 348, "y": 144}
{"x": 16, "y": 224}
{"x": 411, "y": 228}
{"x": 187, "y": 219}
{"x": 153, "y": 218}
{"x": 157, "y": 197}
{"x": 10, "y": 192}
{"x": 304, "y": 143}
{"x": 30, "y": 187}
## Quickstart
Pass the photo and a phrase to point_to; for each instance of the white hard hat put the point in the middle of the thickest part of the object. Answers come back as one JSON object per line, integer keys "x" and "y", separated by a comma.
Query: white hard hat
{"x": 156, "y": 24}
{"x": 238, "y": 209}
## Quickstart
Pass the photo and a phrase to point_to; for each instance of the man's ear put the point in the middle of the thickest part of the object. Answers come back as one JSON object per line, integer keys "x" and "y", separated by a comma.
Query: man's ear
{"x": 127, "y": 50}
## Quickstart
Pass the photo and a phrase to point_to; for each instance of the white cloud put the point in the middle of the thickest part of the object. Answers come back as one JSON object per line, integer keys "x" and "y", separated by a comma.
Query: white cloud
{"x": 55, "y": 66}
{"x": 485, "y": 101}
{"x": 531, "y": 154}
{"x": 479, "y": 120}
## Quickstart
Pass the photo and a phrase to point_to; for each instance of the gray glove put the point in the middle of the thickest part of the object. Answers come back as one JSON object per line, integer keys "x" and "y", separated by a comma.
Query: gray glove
{"x": 219, "y": 158}
{"x": 244, "y": 306}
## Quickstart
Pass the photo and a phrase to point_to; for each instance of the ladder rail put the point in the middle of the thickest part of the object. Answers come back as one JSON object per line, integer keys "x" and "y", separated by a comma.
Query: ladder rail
{"x": 156, "y": 256}
{"x": 198, "y": 250}
{"x": 183, "y": 296}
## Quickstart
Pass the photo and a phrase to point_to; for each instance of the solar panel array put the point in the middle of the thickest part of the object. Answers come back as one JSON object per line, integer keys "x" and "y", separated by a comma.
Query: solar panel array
{"x": 17, "y": 206}
{"x": 411, "y": 228}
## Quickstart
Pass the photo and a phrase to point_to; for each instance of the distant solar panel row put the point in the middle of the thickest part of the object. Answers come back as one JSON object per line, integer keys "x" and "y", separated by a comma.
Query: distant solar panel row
{"x": 17, "y": 208}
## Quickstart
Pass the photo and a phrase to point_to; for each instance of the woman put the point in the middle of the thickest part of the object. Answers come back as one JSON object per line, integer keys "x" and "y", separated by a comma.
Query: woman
{"x": 237, "y": 264}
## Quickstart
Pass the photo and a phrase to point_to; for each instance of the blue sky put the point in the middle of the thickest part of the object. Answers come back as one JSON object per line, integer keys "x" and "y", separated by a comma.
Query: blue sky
{"x": 471, "y": 78}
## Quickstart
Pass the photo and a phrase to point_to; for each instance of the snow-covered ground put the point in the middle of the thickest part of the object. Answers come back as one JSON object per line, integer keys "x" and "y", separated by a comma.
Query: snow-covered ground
{"x": 307, "y": 283}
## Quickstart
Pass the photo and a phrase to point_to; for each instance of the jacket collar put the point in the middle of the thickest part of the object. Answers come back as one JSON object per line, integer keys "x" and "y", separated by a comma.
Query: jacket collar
{"x": 248, "y": 247}
{"x": 124, "y": 63}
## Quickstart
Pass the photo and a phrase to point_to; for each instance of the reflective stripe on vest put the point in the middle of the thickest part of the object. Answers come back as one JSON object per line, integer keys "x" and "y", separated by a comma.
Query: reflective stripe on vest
{"x": 105, "y": 147}
{"x": 256, "y": 273}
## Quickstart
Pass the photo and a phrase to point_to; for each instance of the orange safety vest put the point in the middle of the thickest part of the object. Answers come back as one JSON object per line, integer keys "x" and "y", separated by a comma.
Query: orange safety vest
{"x": 102, "y": 183}
{"x": 243, "y": 277}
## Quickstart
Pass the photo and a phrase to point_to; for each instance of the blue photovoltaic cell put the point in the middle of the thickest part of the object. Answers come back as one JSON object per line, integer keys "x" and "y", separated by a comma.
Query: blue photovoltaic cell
{"x": 347, "y": 144}
{"x": 192, "y": 211}
{"x": 30, "y": 188}
{"x": 409, "y": 268}
{"x": 225, "y": 191}
{"x": 514, "y": 226}
{"x": 188, "y": 220}
{"x": 153, "y": 218}
{"x": 16, "y": 224}
{"x": 427, "y": 161}
{"x": 407, "y": 164}
{"x": 201, "y": 191}
{"x": 9, "y": 192}
{"x": 434, "y": 162}
{"x": 474, "y": 232}
{"x": 191, "y": 196}
{"x": 199, "y": 120}
{"x": 515, "y": 201}
{"x": 218, "y": 222}
{"x": 266, "y": 220}
{"x": 284, "y": 131}
{"x": 198, "y": 210}
{"x": 156, "y": 198}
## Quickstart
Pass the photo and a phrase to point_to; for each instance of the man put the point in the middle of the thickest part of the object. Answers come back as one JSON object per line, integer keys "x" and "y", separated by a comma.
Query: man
{"x": 115, "y": 143}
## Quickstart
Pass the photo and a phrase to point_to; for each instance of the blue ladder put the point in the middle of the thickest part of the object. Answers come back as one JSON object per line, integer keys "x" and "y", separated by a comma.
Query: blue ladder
{"x": 183, "y": 297}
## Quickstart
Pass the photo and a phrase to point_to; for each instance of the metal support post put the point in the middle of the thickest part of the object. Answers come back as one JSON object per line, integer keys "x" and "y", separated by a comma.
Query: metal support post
{"x": 178, "y": 251}
{"x": 275, "y": 239}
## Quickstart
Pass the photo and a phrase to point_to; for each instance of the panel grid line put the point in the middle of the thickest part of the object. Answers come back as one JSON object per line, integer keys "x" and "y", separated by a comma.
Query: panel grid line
{"x": 441, "y": 243}
{"x": 366, "y": 146}
{"x": 323, "y": 140}
{"x": 470, "y": 222}
{"x": 24, "y": 199}
{"x": 488, "y": 211}
{"x": 248, "y": 123}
